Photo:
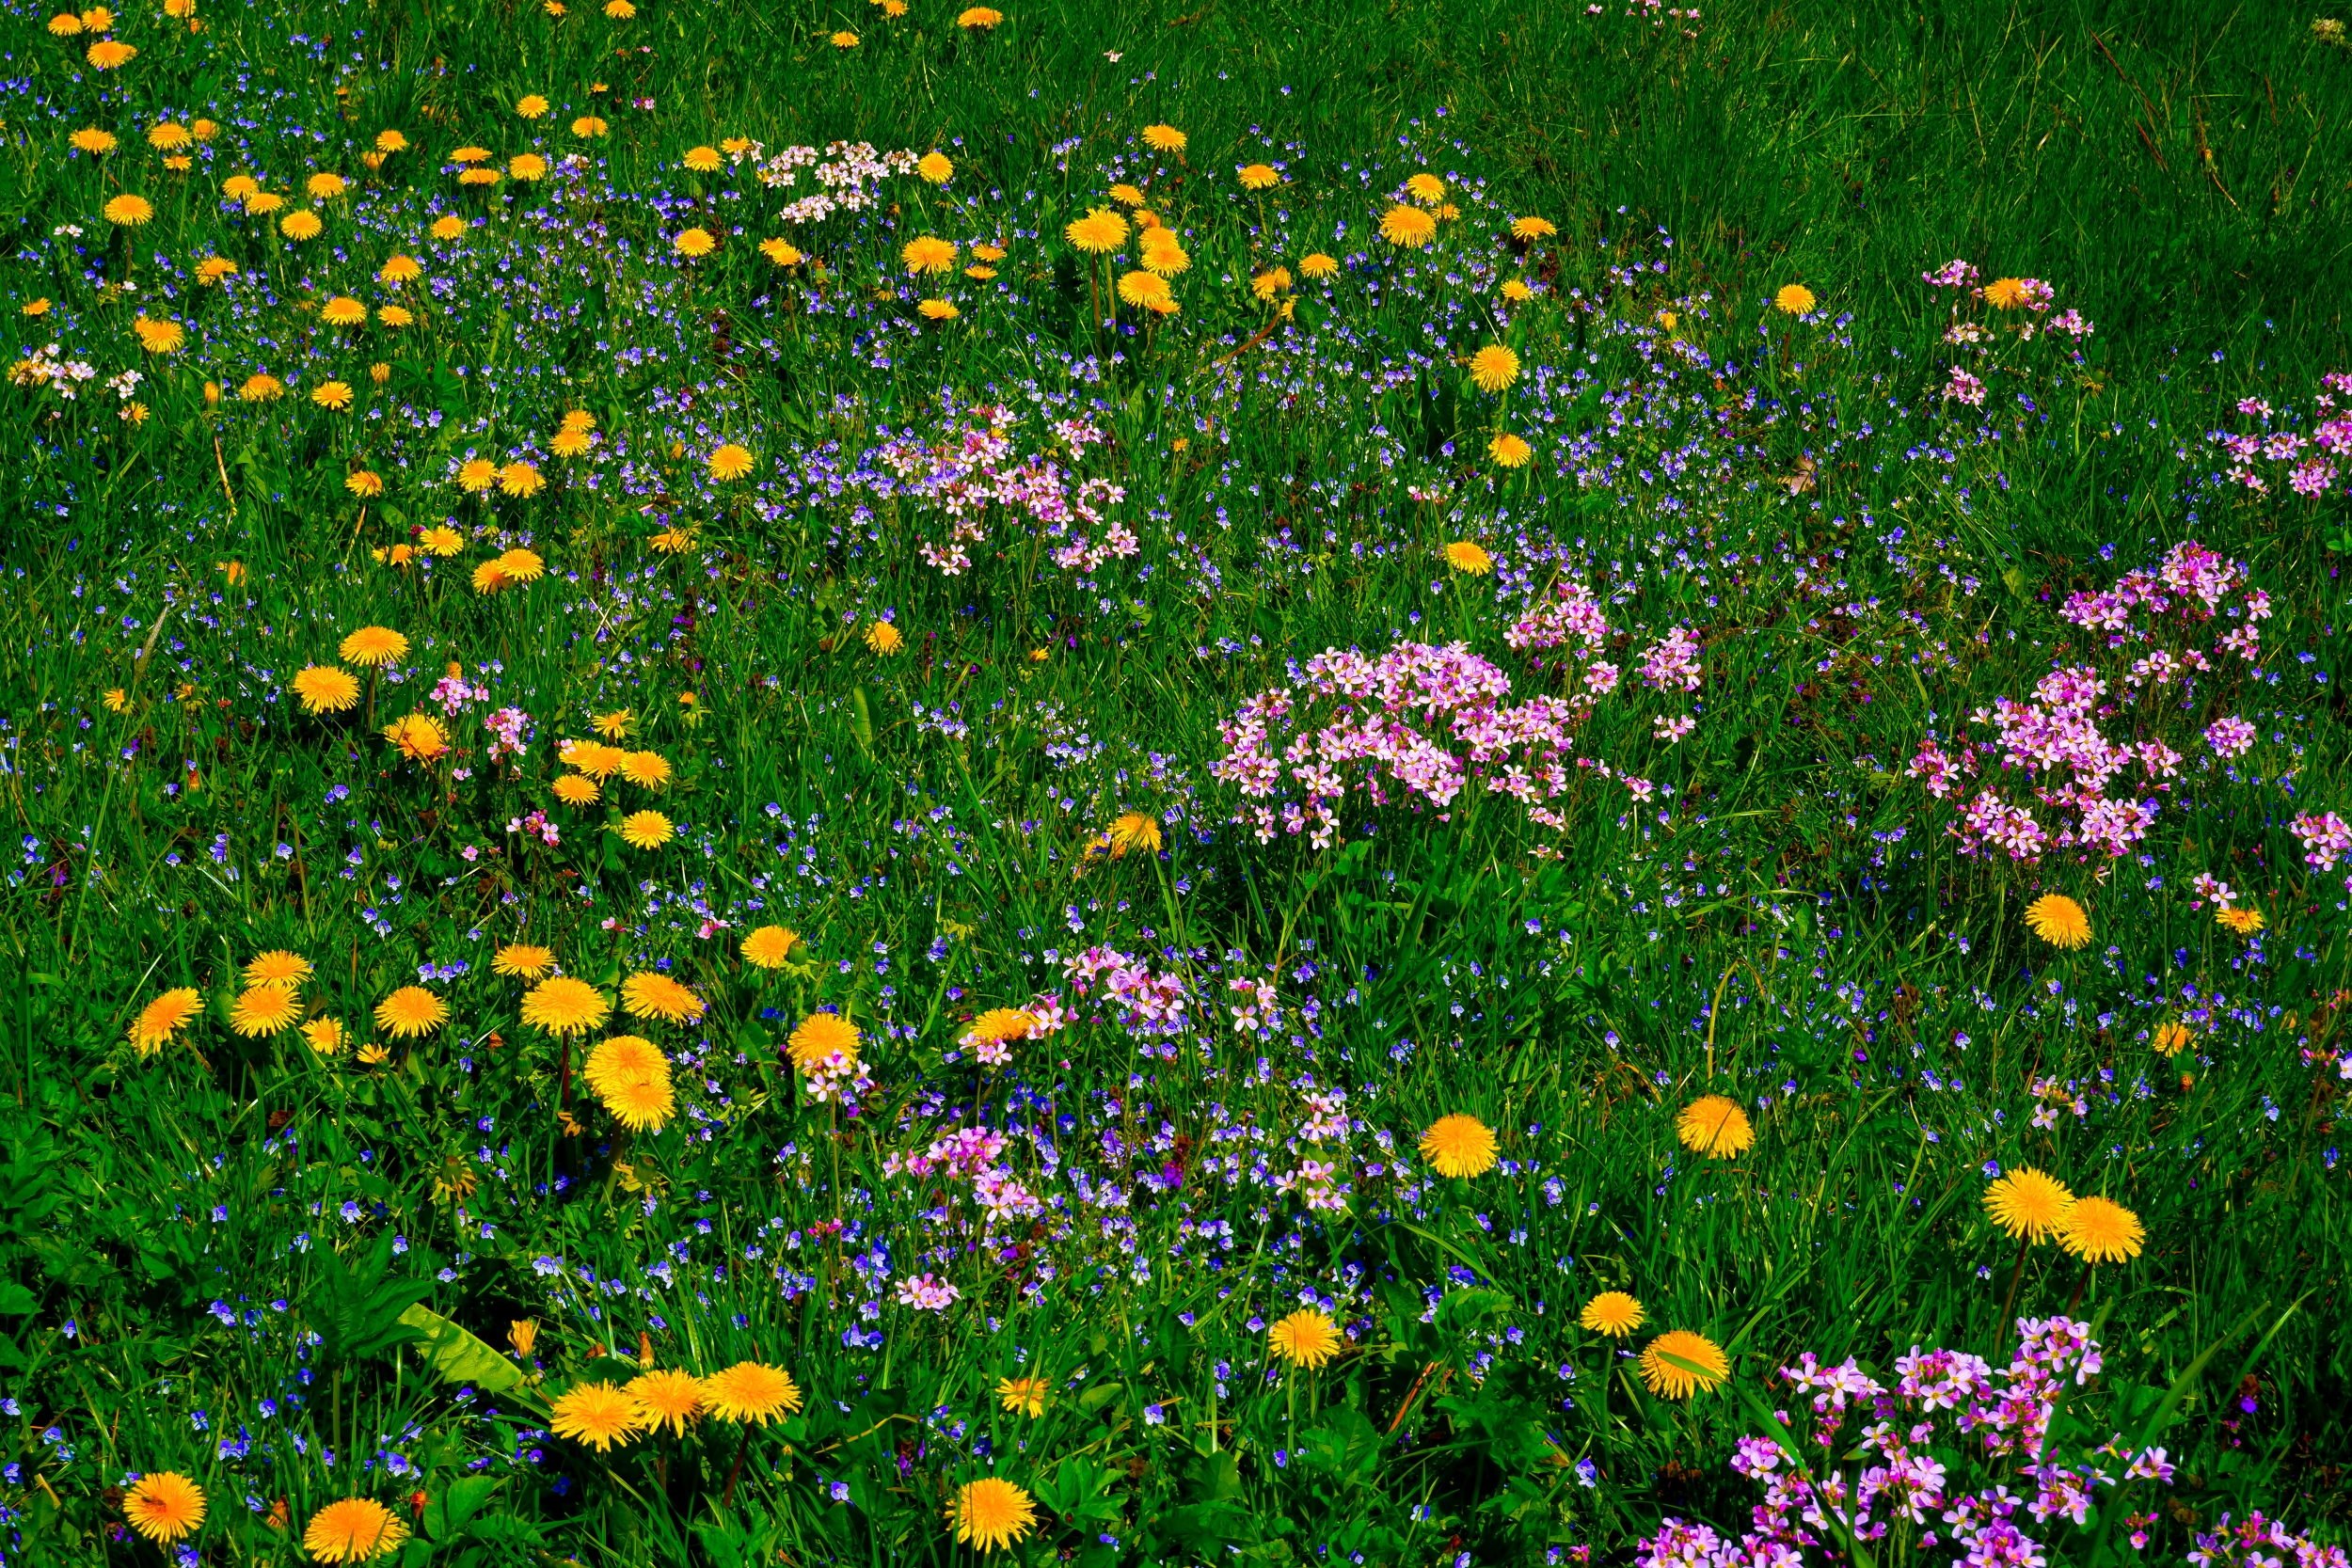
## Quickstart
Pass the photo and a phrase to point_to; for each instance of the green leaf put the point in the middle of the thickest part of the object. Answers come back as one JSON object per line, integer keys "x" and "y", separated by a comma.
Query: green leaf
{"x": 447, "y": 1510}
{"x": 459, "y": 1356}
{"x": 16, "y": 1301}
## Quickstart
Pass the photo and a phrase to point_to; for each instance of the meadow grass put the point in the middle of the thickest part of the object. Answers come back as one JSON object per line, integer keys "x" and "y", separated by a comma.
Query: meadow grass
{"x": 946, "y": 719}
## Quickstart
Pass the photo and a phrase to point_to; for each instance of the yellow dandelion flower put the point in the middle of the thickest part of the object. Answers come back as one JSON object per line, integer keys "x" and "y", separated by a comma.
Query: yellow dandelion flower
{"x": 2244, "y": 922}
{"x": 646, "y": 769}
{"x": 163, "y": 1506}
{"x": 1459, "y": 1146}
{"x": 373, "y": 646}
{"x": 1258, "y": 177}
{"x": 768, "y": 946}
{"x": 654, "y": 994}
{"x": 127, "y": 210}
{"x": 695, "y": 242}
{"x": 2099, "y": 1231}
{"x": 885, "y": 639}
{"x": 669, "y": 1398}
{"x": 1464, "y": 556}
{"x": 2058, "y": 921}
{"x": 978, "y": 19}
{"x": 640, "y": 1104}
{"x": 1143, "y": 288}
{"x": 564, "y": 1006}
{"x": 1509, "y": 452}
{"x": 1408, "y": 226}
{"x": 1305, "y": 1338}
{"x": 1679, "y": 1364}
{"x": 1715, "y": 1126}
{"x": 819, "y": 1036}
{"x": 165, "y": 1016}
{"x": 1494, "y": 368}
{"x": 2172, "y": 1037}
{"x": 991, "y": 1513}
{"x": 1316, "y": 264}
{"x": 1793, "y": 299}
{"x": 2028, "y": 1204}
{"x": 1099, "y": 232}
{"x": 2005, "y": 293}
{"x": 750, "y": 1391}
{"x": 938, "y": 310}
{"x": 646, "y": 829}
{"x": 264, "y": 1010}
{"x": 418, "y": 737}
{"x": 278, "y": 967}
{"x": 1533, "y": 228}
{"x": 598, "y": 1415}
{"x": 325, "y": 688}
{"x": 730, "y": 462}
{"x": 522, "y": 961}
{"x": 928, "y": 253}
{"x": 410, "y": 1011}
{"x": 1135, "y": 831}
{"x": 621, "y": 1059}
{"x": 935, "y": 167}
{"x": 356, "y": 1530}
{"x": 1612, "y": 1313}
{"x": 1023, "y": 1395}
{"x": 1164, "y": 138}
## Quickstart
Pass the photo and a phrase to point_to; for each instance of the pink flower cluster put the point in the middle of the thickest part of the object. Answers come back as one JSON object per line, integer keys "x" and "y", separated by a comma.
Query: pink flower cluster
{"x": 927, "y": 1294}
{"x": 2312, "y": 459}
{"x": 510, "y": 732}
{"x": 2325, "y": 836}
{"x": 1144, "y": 1004}
{"x": 1388, "y": 728}
{"x": 1944, "y": 1402}
{"x": 454, "y": 692}
{"x": 962, "y": 478}
{"x": 1421, "y": 723}
{"x": 2057, "y": 734}
{"x": 975, "y": 1155}
{"x": 2188, "y": 572}
{"x": 2055, "y": 742}
{"x": 2260, "y": 1542}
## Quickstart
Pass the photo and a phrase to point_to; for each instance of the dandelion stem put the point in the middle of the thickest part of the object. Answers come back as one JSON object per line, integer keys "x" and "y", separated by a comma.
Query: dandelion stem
{"x": 2015, "y": 1274}
{"x": 726, "y": 1494}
